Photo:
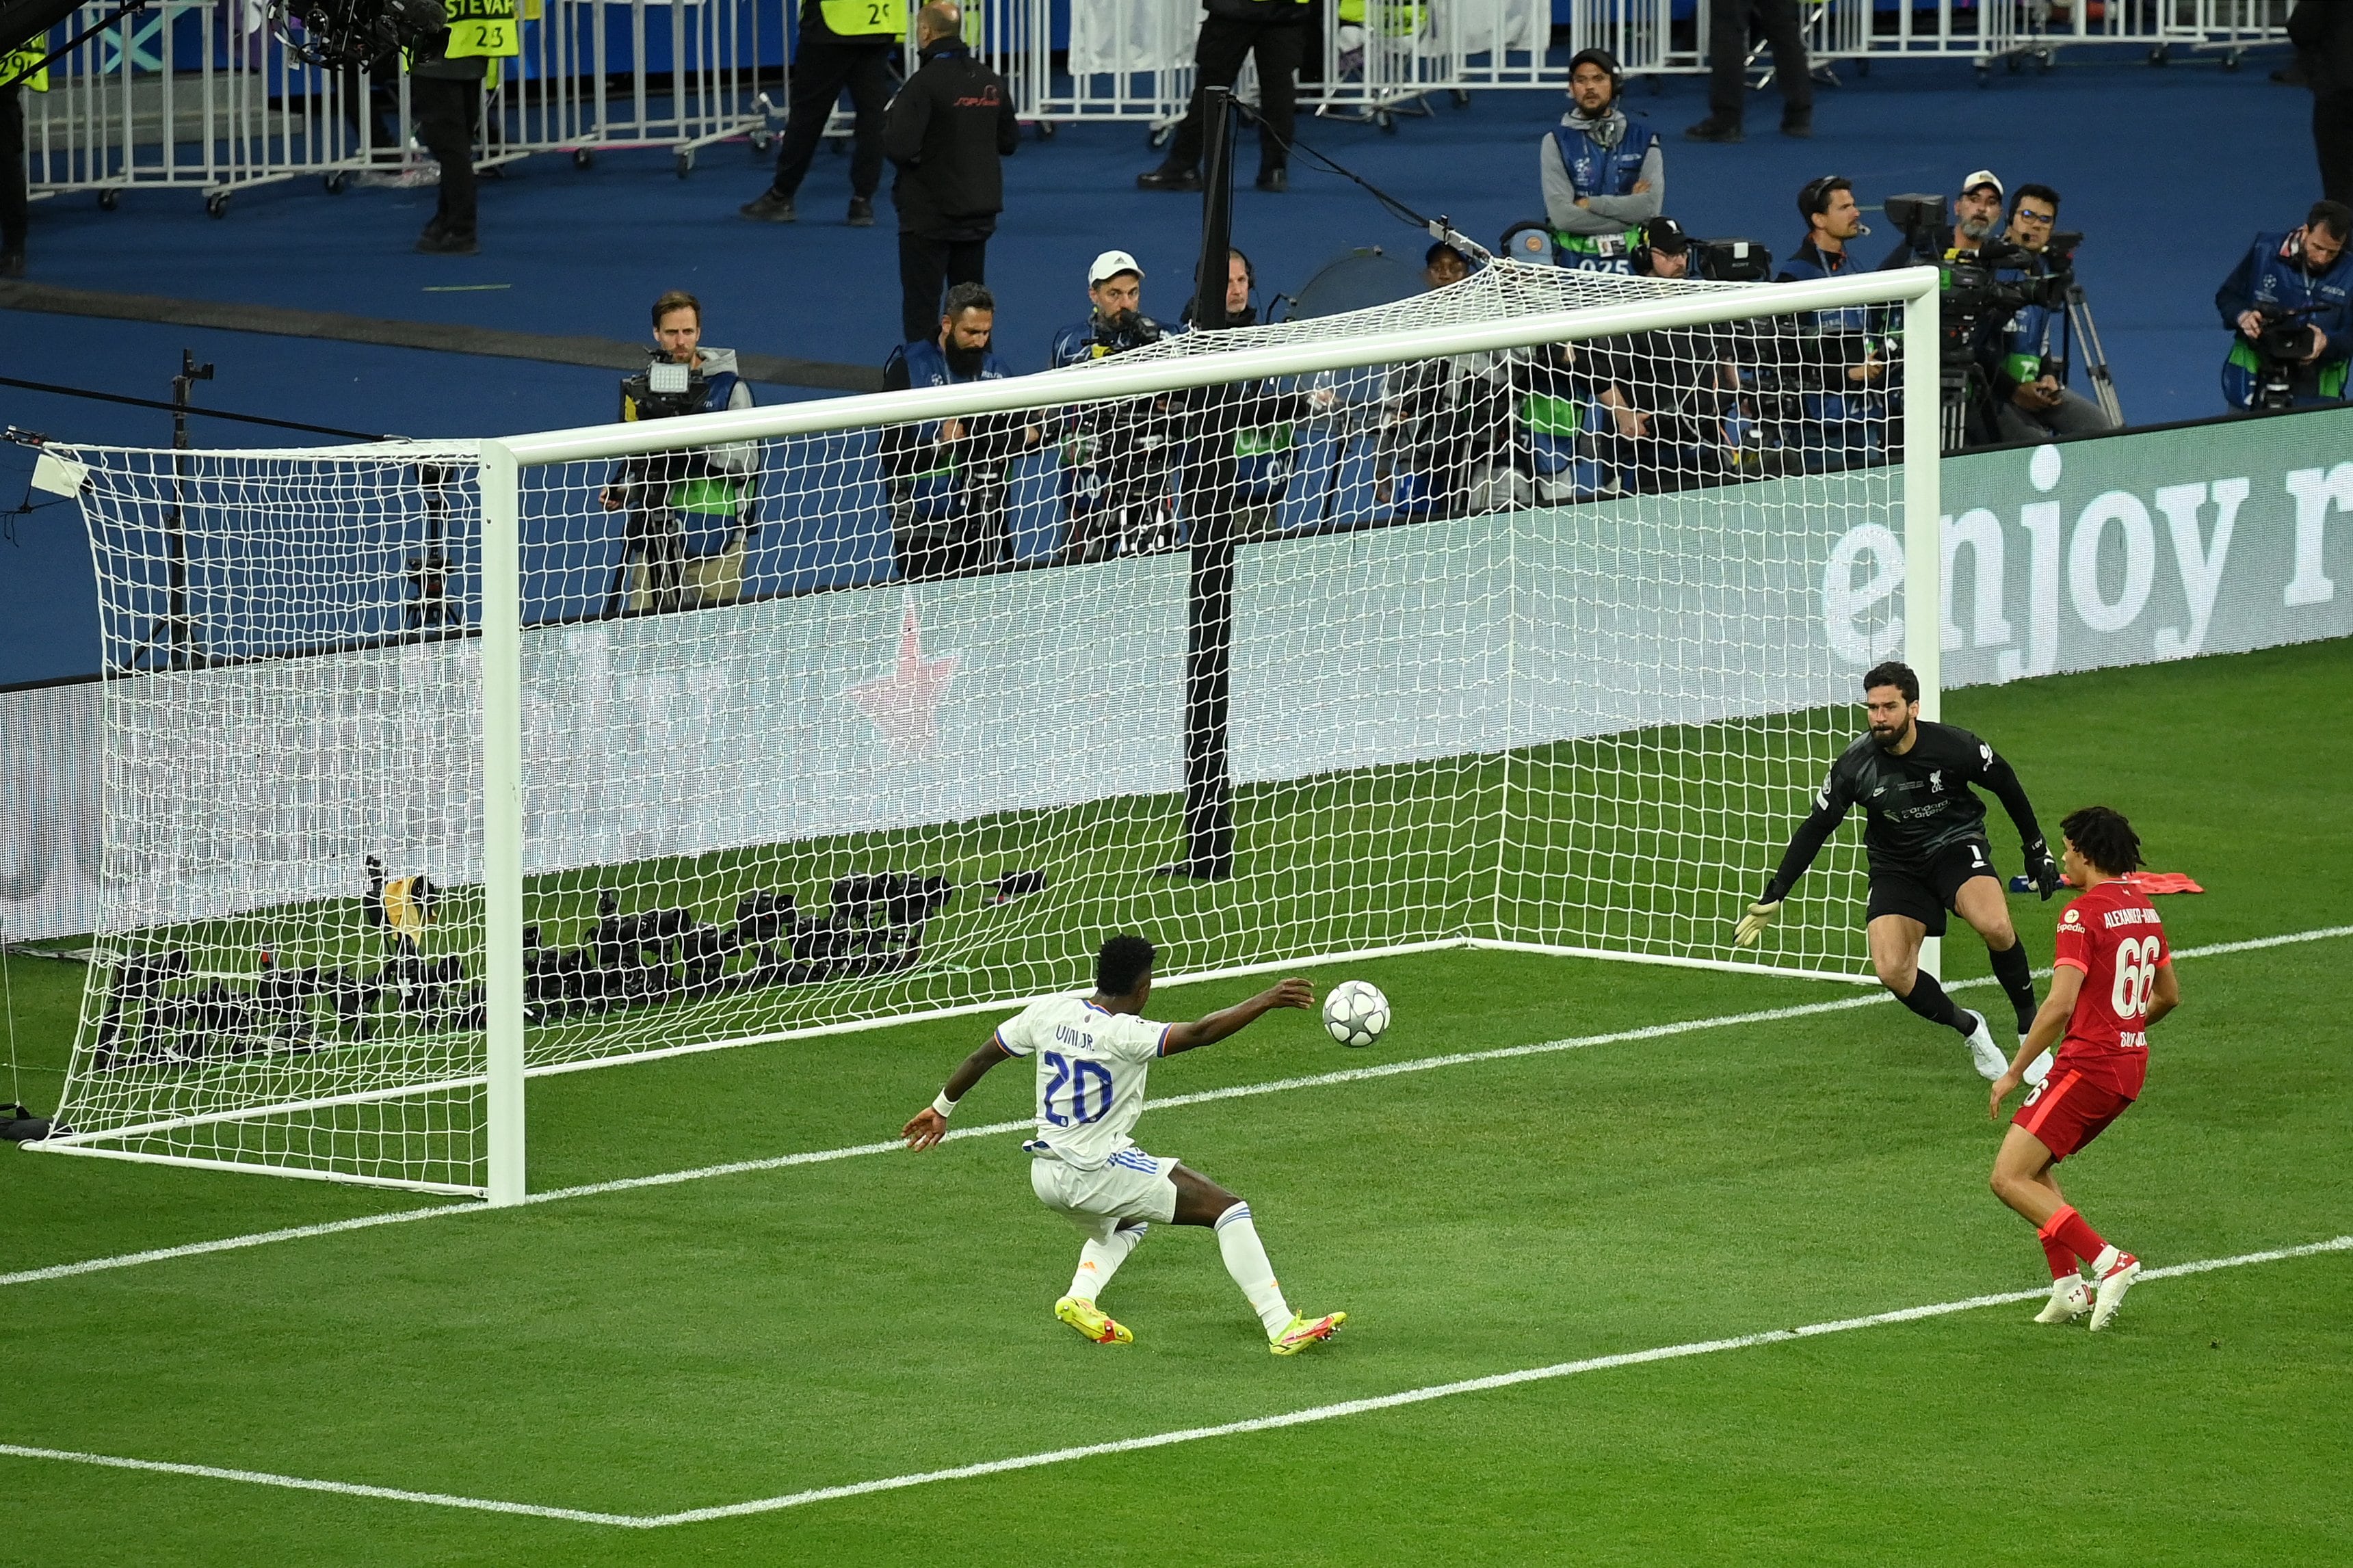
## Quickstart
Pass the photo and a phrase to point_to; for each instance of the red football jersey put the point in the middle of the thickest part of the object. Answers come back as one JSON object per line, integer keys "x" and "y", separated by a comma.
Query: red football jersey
{"x": 2113, "y": 935}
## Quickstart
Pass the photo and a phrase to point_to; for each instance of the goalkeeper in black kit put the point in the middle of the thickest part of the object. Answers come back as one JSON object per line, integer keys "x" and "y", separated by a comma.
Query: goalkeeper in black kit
{"x": 1926, "y": 845}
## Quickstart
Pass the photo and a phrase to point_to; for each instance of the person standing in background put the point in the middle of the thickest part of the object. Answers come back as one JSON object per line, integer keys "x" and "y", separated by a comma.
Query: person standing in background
{"x": 2323, "y": 34}
{"x": 948, "y": 131}
{"x": 446, "y": 71}
{"x": 1727, "y": 58}
{"x": 843, "y": 43}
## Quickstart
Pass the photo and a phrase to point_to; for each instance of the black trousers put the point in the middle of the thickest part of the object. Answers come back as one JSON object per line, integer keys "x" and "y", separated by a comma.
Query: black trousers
{"x": 1728, "y": 57}
{"x": 445, "y": 112}
{"x": 820, "y": 73}
{"x": 929, "y": 266}
{"x": 14, "y": 202}
{"x": 2332, "y": 140}
{"x": 1225, "y": 41}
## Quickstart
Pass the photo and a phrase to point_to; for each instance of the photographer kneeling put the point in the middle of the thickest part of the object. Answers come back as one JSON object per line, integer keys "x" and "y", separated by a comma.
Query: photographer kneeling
{"x": 689, "y": 513}
{"x": 948, "y": 478}
{"x": 1118, "y": 480}
{"x": 2290, "y": 303}
{"x": 2031, "y": 399}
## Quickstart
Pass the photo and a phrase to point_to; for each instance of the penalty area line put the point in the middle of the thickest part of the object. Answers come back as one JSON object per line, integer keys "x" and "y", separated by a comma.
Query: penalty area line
{"x": 996, "y": 1129}
{"x": 1307, "y": 1416}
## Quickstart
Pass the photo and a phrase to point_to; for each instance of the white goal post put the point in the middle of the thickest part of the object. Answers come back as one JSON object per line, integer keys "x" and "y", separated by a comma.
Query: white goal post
{"x": 1524, "y": 615}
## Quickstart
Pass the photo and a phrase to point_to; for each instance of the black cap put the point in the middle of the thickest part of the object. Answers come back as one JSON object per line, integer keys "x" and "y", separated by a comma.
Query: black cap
{"x": 1601, "y": 57}
{"x": 1665, "y": 234}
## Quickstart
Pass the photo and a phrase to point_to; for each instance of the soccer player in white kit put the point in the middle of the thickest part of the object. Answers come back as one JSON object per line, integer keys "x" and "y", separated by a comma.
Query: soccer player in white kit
{"x": 1093, "y": 1055}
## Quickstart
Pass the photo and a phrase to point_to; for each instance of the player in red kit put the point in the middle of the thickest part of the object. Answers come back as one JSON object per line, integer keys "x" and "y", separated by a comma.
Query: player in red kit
{"x": 2112, "y": 978}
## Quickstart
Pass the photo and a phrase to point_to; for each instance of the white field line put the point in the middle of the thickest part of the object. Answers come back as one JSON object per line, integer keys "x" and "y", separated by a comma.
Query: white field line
{"x": 1154, "y": 1440}
{"x": 1235, "y": 1091}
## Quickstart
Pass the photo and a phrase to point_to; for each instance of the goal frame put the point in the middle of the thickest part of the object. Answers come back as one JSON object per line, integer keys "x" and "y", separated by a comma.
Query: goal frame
{"x": 1912, "y": 291}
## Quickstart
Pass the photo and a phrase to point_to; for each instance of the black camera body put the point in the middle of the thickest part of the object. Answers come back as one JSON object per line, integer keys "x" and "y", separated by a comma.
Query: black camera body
{"x": 1731, "y": 260}
{"x": 1974, "y": 294}
{"x": 1118, "y": 337}
{"x": 665, "y": 389}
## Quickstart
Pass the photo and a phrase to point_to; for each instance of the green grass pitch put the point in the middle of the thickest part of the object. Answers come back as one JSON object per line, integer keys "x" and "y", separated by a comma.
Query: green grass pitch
{"x": 678, "y": 1347}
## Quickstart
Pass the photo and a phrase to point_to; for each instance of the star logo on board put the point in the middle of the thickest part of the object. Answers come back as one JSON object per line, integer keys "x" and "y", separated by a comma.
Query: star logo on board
{"x": 903, "y": 706}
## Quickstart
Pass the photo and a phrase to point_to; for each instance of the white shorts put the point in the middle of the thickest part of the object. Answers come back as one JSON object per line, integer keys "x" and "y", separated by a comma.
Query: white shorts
{"x": 1131, "y": 1184}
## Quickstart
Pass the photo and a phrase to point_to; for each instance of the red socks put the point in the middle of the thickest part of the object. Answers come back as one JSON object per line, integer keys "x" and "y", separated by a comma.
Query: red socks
{"x": 2066, "y": 1228}
{"x": 2061, "y": 1257}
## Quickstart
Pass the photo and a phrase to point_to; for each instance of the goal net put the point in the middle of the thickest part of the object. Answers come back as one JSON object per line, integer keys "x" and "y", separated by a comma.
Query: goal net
{"x": 1525, "y": 613}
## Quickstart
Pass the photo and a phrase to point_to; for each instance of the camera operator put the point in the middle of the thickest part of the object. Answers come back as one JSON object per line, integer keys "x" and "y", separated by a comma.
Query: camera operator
{"x": 446, "y": 71}
{"x": 689, "y": 513}
{"x": 1118, "y": 495}
{"x": 1244, "y": 436}
{"x": 1603, "y": 176}
{"x": 947, "y": 477}
{"x": 2031, "y": 400}
{"x": 1665, "y": 394}
{"x": 2290, "y": 303}
{"x": 1837, "y": 367}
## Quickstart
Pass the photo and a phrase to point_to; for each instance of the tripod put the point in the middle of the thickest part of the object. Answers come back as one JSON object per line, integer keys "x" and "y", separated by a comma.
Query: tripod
{"x": 2078, "y": 323}
{"x": 174, "y": 631}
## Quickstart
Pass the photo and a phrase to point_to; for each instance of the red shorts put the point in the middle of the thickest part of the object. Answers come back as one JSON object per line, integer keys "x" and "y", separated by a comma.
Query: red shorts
{"x": 2068, "y": 1109}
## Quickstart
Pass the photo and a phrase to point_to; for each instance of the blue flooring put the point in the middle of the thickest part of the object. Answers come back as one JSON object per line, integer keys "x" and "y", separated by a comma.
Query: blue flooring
{"x": 2169, "y": 171}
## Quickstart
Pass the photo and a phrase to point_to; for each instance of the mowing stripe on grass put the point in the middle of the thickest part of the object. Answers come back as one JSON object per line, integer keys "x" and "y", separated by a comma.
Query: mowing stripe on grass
{"x": 1154, "y": 1440}
{"x": 1235, "y": 1091}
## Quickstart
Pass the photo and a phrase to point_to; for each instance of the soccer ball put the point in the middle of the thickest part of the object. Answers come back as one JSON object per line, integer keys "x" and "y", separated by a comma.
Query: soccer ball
{"x": 1356, "y": 1014}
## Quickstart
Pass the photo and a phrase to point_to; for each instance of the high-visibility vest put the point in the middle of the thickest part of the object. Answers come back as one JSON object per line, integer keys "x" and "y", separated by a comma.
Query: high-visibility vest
{"x": 865, "y": 18}
{"x": 478, "y": 28}
{"x": 15, "y": 61}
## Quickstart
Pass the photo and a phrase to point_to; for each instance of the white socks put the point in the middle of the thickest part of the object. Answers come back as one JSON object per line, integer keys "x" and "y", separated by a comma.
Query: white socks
{"x": 1099, "y": 1261}
{"x": 1245, "y": 1261}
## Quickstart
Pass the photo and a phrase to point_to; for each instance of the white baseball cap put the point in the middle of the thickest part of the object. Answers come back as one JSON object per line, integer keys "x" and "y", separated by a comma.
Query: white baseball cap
{"x": 1984, "y": 177}
{"x": 1110, "y": 264}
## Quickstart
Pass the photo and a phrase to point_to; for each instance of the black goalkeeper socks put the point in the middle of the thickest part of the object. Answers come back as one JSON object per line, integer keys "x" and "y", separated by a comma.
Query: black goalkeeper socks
{"x": 2010, "y": 967}
{"x": 1928, "y": 1000}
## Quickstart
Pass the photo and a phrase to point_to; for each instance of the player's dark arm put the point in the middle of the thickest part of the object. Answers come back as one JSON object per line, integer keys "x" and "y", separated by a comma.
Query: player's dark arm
{"x": 2164, "y": 993}
{"x": 1231, "y": 1020}
{"x": 1830, "y": 806}
{"x": 1998, "y": 775}
{"x": 929, "y": 1125}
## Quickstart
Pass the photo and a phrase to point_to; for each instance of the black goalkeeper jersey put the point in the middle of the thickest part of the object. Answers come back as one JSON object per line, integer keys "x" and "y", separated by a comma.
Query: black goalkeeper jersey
{"x": 1916, "y": 804}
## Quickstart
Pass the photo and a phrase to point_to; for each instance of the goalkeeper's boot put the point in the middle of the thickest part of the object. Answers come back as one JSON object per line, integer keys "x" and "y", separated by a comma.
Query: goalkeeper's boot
{"x": 2038, "y": 1069}
{"x": 2070, "y": 1300}
{"x": 1991, "y": 1064}
{"x": 2115, "y": 1280}
{"x": 1304, "y": 1331}
{"x": 1092, "y": 1322}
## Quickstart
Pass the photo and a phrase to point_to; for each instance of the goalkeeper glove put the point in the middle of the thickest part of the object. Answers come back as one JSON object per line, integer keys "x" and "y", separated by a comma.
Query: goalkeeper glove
{"x": 2043, "y": 869}
{"x": 1752, "y": 925}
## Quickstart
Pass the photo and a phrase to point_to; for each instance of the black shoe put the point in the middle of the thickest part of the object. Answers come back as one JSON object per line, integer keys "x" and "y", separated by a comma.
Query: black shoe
{"x": 1800, "y": 126}
{"x": 1715, "y": 128}
{"x": 436, "y": 227}
{"x": 769, "y": 207}
{"x": 1168, "y": 177}
{"x": 1276, "y": 180}
{"x": 861, "y": 212}
{"x": 447, "y": 244}
{"x": 12, "y": 263}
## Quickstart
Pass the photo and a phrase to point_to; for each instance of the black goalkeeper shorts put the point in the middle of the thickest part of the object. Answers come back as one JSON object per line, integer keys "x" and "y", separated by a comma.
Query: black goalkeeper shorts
{"x": 1926, "y": 891}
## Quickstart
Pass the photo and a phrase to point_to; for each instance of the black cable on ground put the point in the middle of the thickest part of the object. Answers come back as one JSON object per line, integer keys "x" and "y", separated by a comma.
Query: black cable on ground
{"x": 193, "y": 410}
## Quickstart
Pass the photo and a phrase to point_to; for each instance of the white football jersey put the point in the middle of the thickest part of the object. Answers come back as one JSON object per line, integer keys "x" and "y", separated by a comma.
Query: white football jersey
{"x": 1090, "y": 1070}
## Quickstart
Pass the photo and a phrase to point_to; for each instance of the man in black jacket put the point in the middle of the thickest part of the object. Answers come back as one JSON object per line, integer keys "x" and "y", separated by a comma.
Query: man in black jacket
{"x": 2323, "y": 33}
{"x": 1274, "y": 31}
{"x": 946, "y": 132}
{"x": 843, "y": 43}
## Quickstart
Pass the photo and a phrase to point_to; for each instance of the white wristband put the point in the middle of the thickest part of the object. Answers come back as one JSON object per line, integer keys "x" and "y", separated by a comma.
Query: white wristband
{"x": 944, "y": 1105}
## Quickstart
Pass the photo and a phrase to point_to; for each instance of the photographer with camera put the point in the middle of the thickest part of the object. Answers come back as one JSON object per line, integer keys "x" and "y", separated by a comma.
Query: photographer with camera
{"x": 2031, "y": 399}
{"x": 948, "y": 478}
{"x": 2290, "y": 303}
{"x": 1118, "y": 491}
{"x": 1837, "y": 368}
{"x": 689, "y": 513}
{"x": 1663, "y": 398}
{"x": 1977, "y": 213}
{"x": 1603, "y": 176}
